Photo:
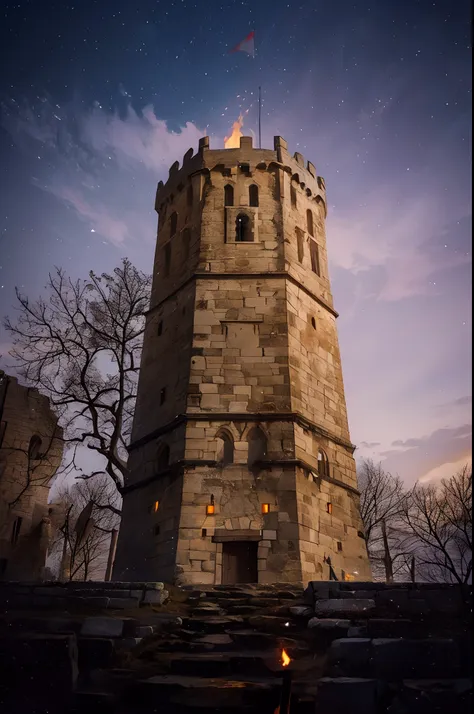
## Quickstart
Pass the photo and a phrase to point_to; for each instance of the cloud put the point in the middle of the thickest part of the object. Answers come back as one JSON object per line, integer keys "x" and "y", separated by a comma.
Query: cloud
{"x": 115, "y": 230}
{"x": 445, "y": 471}
{"x": 401, "y": 238}
{"x": 103, "y": 165}
{"x": 415, "y": 459}
{"x": 369, "y": 444}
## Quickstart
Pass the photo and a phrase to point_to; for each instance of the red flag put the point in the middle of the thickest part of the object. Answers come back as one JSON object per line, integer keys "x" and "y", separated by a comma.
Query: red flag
{"x": 247, "y": 45}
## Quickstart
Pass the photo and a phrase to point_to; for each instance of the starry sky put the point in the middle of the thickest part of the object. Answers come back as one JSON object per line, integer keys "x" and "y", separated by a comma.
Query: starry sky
{"x": 98, "y": 99}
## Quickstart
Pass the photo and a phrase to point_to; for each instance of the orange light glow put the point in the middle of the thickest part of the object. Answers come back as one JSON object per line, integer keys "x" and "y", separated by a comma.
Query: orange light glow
{"x": 156, "y": 506}
{"x": 210, "y": 509}
{"x": 285, "y": 659}
{"x": 233, "y": 141}
{"x": 265, "y": 508}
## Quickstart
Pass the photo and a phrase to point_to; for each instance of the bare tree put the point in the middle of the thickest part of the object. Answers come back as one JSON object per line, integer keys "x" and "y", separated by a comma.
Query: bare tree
{"x": 381, "y": 498}
{"x": 81, "y": 346}
{"x": 81, "y": 554}
{"x": 439, "y": 520}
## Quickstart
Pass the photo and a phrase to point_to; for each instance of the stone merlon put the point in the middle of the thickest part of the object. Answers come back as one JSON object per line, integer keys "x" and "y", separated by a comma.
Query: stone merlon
{"x": 207, "y": 159}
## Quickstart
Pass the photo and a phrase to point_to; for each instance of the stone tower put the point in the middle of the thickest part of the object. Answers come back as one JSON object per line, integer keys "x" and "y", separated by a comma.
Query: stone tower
{"x": 242, "y": 468}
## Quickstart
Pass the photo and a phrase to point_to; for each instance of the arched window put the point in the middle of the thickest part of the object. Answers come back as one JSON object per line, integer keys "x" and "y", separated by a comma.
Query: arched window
{"x": 174, "y": 223}
{"x": 225, "y": 448}
{"x": 257, "y": 442}
{"x": 242, "y": 229}
{"x": 309, "y": 222}
{"x": 228, "y": 195}
{"x": 34, "y": 449}
{"x": 253, "y": 195}
{"x": 163, "y": 457}
{"x": 189, "y": 195}
{"x": 186, "y": 243}
{"x": 323, "y": 464}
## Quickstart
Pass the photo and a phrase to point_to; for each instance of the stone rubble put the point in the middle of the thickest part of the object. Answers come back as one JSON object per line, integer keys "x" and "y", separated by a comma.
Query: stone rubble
{"x": 377, "y": 662}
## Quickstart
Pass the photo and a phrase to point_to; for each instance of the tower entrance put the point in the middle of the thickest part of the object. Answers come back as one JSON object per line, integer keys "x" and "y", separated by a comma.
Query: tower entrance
{"x": 239, "y": 562}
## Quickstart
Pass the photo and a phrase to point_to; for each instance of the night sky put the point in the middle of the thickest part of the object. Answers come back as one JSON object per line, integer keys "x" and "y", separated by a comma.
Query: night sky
{"x": 98, "y": 99}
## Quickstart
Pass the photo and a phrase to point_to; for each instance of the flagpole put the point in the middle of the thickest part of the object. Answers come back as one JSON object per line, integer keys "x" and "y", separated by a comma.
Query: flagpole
{"x": 259, "y": 117}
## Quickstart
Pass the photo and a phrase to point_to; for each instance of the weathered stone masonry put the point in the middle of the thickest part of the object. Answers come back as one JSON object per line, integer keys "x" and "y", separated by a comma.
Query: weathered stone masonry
{"x": 240, "y": 431}
{"x": 30, "y": 453}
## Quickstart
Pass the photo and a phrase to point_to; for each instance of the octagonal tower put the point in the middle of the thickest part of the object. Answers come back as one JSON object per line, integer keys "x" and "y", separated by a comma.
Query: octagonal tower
{"x": 241, "y": 464}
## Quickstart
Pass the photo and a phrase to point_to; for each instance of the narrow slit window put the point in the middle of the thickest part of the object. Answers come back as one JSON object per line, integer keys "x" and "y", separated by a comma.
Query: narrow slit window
{"x": 189, "y": 196}
{"x": 228, "y": 195}
{"x": 300, "y": 244}
{"x": 162, "y": 396}
{"x": 293, "y": 195}
{"x": 167, "y": 259}
{"x": 173, "y": 223}
{"x": 16, "y": 530}
{"x": 314, "y": 250}
{"x": 309, "y": 222}
{"x": 159, "y": 330}
{"x": 253, "y": 195}
{"x": 186, "y": 244}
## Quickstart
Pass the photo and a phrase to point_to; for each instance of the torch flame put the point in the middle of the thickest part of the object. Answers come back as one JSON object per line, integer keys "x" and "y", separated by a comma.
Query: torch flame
{"x": 233, "y": 141}
{"x": 285, "y": 660}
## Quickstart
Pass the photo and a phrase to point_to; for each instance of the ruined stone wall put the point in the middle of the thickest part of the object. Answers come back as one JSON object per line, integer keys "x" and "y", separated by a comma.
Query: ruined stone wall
{"x": 30, "y": 454}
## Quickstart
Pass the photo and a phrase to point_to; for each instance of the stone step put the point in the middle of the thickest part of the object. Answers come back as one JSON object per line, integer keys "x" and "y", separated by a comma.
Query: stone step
{"x": 276, "y": 624}
{"x": 207, "y": 695}
{"x": 253, "y": 663}
{"x": 85, "y": 702}
{"x": 439, "y": 696}
{"x": 369, "y": 696}
{"x": 242, "y": 609}
{"x": 252, "y": 640}
{"x": 208, "y": 612}
{"x": 395, "y": 659}
{"x": 213, "y": 624}
{"x": 355, "y": 607}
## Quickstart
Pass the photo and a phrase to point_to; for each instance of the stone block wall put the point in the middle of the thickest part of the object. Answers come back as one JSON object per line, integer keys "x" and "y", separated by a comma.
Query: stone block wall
{"x": 165, "y": 364}
{"x": 240, "y": 333}
{"x": 315, "y": 364}
{"x": 337, "y": 534}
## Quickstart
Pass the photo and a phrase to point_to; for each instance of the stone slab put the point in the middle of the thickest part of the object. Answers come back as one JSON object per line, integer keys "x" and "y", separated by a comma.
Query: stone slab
{"x": 346, "y": 694}
{"x": 102, "y": 627}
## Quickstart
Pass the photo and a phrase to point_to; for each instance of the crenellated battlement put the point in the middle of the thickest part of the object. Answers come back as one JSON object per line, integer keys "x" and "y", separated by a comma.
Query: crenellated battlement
{"x": 207, "y": 160}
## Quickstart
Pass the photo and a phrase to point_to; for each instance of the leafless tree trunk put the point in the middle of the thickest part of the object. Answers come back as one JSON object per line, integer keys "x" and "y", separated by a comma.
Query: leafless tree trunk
{"x": 381, "y": 504}
{"x": 81, "y": 346}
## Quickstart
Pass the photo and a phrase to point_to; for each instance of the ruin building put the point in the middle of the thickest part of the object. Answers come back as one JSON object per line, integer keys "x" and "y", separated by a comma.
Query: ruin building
{"x": 31, "y": 450}
{"x": 241, "y": 464}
